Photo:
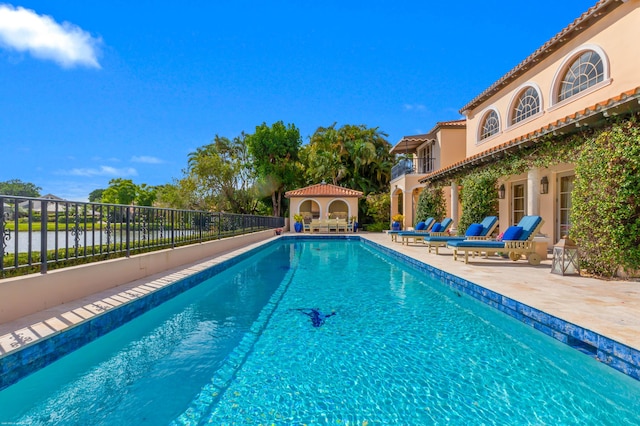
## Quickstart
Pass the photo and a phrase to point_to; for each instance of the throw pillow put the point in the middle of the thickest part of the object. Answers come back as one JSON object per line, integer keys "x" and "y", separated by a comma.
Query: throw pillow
{"x": 474, "y": 230}
{"x": 512, "y": 233}
{"x": 420, "y": 226}
{"x": 436, "y": 227}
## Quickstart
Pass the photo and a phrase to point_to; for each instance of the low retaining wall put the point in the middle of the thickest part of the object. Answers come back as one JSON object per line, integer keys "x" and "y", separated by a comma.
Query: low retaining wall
{"x": 21, "y": 296}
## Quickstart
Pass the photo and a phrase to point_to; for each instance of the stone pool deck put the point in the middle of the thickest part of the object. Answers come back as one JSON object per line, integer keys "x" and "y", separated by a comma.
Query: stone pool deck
{"x": 609, "y": 308}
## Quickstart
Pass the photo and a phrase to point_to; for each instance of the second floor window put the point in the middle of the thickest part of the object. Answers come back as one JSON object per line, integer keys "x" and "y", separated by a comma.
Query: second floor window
{"x": 490, "y": 125}
{"x": 586, "y": 71}
{"x": 528, "y": 104}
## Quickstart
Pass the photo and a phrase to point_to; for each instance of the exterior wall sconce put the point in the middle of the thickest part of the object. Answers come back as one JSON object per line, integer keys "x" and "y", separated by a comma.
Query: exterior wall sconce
{"x": 502, "y": 192}
{"x": 565, "y": 258}
{"x": 544, "y": 185}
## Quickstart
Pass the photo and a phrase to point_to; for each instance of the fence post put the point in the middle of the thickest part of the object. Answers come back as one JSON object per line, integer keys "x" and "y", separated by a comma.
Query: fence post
{"x": 173, "y": 229}
{"x": 127, "y": 230}
{"x": 43, "y": 237}
{"x": 219, "y": 223}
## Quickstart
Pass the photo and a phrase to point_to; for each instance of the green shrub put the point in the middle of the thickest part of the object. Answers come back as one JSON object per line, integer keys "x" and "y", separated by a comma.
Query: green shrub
{"x": 430, "y": 204}
{"x": 479, "y": 198}
{"x": 376, "y": 227}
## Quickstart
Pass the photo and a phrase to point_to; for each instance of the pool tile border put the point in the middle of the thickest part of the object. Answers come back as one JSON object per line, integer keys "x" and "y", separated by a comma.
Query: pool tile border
{"x": 606, "y": 350}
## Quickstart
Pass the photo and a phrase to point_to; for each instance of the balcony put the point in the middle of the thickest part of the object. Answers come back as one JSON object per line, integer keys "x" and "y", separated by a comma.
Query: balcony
{"x": 409, "y": 166}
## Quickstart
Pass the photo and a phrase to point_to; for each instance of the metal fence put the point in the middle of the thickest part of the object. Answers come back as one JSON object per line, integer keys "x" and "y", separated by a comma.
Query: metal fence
{"x": 40, "y": 234}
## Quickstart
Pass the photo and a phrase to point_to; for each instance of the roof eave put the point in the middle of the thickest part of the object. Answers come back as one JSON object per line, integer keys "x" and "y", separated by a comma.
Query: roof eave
{"x": 580, "y": 24}
{"x": 627, "y": 102}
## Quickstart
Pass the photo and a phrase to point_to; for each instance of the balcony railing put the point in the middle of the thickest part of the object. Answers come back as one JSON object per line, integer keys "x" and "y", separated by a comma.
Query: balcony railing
{"x": 40, "y": 234}
{"x": 408, "y": 166}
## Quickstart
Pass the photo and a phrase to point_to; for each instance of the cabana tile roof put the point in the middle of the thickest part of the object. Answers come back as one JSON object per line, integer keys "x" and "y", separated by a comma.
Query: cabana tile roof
{"x": 323, "y": 190}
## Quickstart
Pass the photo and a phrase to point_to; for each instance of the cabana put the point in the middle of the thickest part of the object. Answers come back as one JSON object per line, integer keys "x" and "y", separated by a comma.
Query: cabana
{"x": 325, "y": 207}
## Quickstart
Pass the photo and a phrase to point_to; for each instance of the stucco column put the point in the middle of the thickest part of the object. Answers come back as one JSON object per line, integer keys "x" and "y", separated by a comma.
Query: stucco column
{"x": 533, "y": 192}
{"x": 454, "y": 207}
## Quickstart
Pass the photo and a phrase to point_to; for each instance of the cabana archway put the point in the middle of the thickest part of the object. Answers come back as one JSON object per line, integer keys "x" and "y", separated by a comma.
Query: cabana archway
{"x": 338, "y": 209}
{"x": 309, "y": 209}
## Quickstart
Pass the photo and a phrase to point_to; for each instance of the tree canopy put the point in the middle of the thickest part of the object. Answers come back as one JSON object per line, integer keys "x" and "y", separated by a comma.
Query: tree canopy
{"x": 19, "y": 189}
{"x": 222, "y": 175}
{"x": 124, "y": 191}
{"x": 274, "y": 151}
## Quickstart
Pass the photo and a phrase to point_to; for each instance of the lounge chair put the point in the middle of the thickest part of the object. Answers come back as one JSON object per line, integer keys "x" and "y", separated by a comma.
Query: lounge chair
{"x": 428, "y": 223}
{"x": 476, "y": 231}
{"x": 439, "y": 229}
{"x": 517, "y": 240}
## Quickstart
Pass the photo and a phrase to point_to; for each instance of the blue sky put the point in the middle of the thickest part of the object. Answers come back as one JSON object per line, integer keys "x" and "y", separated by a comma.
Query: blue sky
{"x": 92, "y": 91}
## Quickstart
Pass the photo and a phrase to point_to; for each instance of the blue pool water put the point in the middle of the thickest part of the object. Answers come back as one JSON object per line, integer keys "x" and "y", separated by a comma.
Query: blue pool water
{"x": 400, "y": 349}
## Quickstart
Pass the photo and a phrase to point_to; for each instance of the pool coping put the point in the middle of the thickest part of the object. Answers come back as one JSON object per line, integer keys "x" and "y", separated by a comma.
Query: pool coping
{"x": 27, "y": 350}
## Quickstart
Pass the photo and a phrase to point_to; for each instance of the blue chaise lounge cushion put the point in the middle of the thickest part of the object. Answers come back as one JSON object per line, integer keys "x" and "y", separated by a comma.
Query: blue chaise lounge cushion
{"x": 512, "y": 233}
{"x": 420, "y": 226}
{"x": 474, "y": 230}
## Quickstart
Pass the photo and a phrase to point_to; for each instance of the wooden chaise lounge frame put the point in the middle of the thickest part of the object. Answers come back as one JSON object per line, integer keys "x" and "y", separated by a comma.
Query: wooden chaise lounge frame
{"x": 419, "y": 236}
{"x": 490, "y": 223}
{"x": 515, "y": 248}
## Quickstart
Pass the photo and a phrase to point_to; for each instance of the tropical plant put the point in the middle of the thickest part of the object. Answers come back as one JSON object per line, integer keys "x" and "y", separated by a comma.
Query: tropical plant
{"x": 298, "y": 218}
{"x": 353, "y": 156}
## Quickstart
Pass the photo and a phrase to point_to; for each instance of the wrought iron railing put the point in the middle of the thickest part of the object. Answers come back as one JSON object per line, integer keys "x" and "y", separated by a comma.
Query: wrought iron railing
{"x": 39, "y": 234}
{"x": 408, "y": 166}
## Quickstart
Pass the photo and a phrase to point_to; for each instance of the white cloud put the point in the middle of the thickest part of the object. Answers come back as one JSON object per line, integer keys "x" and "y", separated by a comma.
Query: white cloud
{"x": 146, "y": 159}
{"x": 101, "y": 171}
{"x": 414, "y": 107}
{"x": 66, "y": 44}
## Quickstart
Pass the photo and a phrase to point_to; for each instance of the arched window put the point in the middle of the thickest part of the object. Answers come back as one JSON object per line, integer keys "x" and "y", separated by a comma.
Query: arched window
{"x": 526, "y": 105}
{"x": 490, "y": 125}
{"x": 585, "y": 71}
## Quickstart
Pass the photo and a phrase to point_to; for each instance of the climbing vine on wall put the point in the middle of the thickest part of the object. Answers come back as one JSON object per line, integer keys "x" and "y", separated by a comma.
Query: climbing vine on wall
{"x": 605, "y": 213}
{"x": 430, "y": 204}
{"x": 606, "y": 197}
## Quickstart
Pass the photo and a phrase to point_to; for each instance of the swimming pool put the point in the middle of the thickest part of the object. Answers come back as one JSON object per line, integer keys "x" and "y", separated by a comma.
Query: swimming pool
{"x": 400, "y": 349}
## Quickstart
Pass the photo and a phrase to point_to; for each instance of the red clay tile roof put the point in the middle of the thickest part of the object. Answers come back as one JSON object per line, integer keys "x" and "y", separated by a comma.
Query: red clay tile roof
{"x": 453, "y": 123}
{"x": 323, "y": 190}
{"x": 583, "y": 22}
{"x": 409, "y": 144}
{"x": 627, "y": 100}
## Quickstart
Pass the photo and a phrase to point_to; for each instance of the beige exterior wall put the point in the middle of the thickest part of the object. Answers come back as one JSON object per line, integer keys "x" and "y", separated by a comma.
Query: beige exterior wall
{"x": 406, "y": 188}
{"x": 453, "y": 142}
{"x": 26, "y": 295}
{"x": 613, "y": 37}
{"x": 449, "y": 148}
